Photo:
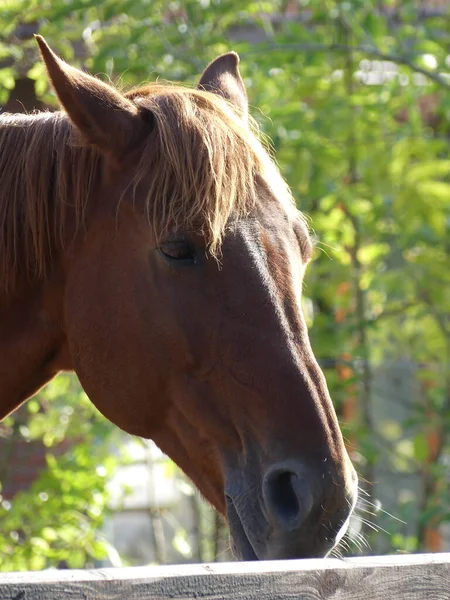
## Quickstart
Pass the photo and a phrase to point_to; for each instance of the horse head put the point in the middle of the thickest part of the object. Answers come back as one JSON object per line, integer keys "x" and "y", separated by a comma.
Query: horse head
{"x": 182, "y": 306}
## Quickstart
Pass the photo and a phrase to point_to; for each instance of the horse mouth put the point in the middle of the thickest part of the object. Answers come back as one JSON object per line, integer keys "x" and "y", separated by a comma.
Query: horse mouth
{"x": 289, "y": 547}
{"x": 240, "y": 543}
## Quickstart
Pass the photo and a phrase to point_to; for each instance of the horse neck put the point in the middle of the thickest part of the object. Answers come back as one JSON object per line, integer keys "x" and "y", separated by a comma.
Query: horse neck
{"x": 32, "y": 340}
{"x": 33, "y": 346}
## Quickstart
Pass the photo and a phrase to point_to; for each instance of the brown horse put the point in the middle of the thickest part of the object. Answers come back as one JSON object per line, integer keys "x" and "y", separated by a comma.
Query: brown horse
{"x": 148, "y": 242}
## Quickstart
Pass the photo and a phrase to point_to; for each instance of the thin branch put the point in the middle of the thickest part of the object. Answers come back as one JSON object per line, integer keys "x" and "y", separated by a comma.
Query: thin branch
{"x": 364, "y": 49}
{"x": 393, "y": 312}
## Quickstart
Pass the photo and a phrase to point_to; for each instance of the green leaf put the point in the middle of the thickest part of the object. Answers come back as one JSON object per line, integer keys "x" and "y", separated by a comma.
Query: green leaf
{"x": 420, "y": 447}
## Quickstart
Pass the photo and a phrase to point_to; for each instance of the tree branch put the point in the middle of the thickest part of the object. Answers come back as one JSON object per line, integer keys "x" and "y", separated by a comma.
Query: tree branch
{"x": 364, "y": 49}
{"x": 393, "y": 312}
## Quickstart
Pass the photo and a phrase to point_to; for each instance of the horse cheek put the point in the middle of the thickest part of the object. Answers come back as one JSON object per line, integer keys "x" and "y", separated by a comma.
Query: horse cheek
{"x": 109, "y": 335}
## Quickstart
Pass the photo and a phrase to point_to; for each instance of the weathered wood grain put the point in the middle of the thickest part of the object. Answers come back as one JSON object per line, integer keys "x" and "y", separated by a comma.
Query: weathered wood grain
{"x": 408, "y": 577}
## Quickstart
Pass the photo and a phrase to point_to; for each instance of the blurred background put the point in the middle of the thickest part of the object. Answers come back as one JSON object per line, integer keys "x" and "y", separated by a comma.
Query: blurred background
{"x": 355, "y": 98}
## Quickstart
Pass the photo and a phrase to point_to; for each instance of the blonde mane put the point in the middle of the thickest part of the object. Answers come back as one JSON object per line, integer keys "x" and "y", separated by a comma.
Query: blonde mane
{"x": 197, "y": 169}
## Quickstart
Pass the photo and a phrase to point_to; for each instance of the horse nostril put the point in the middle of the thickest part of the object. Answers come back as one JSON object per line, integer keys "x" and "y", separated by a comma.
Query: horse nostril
{"x": 282, "y": 495}
{"x": 287, "y": 498}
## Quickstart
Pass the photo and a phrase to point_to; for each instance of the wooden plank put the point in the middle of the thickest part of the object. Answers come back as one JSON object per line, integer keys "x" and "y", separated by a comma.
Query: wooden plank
{"x": 406, "y": 577}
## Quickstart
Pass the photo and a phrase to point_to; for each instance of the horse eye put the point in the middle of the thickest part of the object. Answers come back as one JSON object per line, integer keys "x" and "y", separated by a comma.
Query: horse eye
{"x": 178, "y": 251}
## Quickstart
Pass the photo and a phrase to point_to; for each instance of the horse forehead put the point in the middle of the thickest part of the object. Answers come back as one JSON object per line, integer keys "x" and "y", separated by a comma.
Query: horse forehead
{"x": 266, "y": 241}
{"x": 271, "y": 220}
{"x": 273, "y": 246}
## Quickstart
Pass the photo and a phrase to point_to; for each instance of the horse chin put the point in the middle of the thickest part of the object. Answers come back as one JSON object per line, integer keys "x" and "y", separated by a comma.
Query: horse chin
{"x": 243, "y": 552}
{"x": 240, "y": 543}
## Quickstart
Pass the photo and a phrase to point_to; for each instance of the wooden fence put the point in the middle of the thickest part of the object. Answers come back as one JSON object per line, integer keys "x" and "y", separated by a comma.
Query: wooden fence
{"x": 404, "y": 577}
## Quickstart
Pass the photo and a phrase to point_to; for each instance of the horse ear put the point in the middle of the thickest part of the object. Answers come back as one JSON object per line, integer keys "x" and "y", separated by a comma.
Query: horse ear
{"x": 104, "y": 117}
{"x": 222, "y": 77}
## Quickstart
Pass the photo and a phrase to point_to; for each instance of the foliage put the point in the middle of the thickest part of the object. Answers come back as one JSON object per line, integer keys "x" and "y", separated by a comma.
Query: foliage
{"x": 57, "y": 521}
{"x": 355, "y": 97}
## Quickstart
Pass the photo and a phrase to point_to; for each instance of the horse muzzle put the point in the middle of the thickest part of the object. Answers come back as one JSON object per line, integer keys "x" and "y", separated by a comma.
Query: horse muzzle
{"x": 295, "y": 512}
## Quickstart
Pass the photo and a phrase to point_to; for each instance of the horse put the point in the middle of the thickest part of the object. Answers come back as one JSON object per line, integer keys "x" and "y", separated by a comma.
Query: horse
{"x": 149, "y": 243}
